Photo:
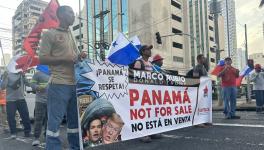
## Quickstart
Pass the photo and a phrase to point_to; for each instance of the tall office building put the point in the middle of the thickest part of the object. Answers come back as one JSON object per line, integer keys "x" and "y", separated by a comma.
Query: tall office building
{"x": 202, "y": 28}
{"x": 26, "y": 16}
{"x": 227, "y": 9}
{"x": 115, "y": 19}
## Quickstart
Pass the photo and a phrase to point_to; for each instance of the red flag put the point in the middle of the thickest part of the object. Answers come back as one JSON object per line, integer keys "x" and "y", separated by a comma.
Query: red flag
{"x": 47, "y": 20}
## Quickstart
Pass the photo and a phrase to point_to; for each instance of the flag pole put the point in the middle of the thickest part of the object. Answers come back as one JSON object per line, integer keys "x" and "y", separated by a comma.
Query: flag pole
{"x": 2, "y": 53}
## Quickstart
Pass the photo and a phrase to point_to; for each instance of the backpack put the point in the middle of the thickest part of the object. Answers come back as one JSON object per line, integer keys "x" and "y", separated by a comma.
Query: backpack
{"x": 142, "y": 67}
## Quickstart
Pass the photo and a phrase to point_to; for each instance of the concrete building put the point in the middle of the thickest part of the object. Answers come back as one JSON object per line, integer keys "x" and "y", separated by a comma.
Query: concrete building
{"x": 7, "y": 59}
{"x": 24, "y": 19}
{"x": 226, "y": 8}
{"x": 258, "y": 58}
{"x": 80, "y": 35}
{"x": 166, "y": 17}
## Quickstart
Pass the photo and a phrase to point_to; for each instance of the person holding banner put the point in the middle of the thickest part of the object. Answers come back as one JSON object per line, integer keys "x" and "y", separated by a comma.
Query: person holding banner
{"x": 145, "y": 65}
{"x": 59, "y": 52}
{"x": 228, "y": 76}
{"x": 200, "y": 71}
{"x": 157, "y": 63}
{"x": 258, "y": 79}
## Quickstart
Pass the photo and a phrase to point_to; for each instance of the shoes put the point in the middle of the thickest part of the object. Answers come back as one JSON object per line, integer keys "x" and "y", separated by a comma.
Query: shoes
{"x": 36, "y": 142}
{"x": 13, "y": 136}
{"x": 156, "y": 136}
{"x": 146, "y": 139}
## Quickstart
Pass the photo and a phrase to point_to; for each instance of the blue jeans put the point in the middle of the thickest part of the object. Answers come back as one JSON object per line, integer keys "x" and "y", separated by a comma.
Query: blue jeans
{"x": 259, "y": 99}
{"x": 62, "y": 100}
{"x": 21, "y": 106}
{"x": 229, "y": 95}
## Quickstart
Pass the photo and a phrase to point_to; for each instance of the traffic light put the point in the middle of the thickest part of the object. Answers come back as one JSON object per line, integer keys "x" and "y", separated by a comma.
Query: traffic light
{"x": 158, "y": 38}
{"x": 250, "y": 63}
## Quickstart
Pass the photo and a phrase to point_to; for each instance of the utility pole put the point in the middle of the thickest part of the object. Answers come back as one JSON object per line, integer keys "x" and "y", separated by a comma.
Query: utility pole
{"x": 248, "y": 82}
{"x": 102, "y": 40}
{"x": 80, "y": 27}
{"x": 227, "y": 23}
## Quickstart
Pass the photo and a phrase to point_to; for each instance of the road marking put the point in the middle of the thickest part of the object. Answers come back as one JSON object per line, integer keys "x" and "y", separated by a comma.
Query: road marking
{"x": 239, "y": 125}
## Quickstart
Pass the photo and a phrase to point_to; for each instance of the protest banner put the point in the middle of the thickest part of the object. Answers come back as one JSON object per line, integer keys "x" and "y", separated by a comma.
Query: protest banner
{"x": 119, "y": 104}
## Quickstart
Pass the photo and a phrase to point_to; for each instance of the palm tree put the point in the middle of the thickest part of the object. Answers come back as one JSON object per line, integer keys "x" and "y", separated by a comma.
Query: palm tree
{"x": 261, "y": 3}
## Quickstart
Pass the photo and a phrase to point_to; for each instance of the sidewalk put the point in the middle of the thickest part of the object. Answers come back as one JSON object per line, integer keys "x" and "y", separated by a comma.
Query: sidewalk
{"x": 242, "y": 105}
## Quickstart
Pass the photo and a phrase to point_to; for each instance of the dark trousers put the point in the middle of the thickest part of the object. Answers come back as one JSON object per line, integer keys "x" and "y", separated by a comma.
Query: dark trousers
{"x": 259, "y": 99}
{"x": 40, "y": 119}
{"x": 21, "y": 106}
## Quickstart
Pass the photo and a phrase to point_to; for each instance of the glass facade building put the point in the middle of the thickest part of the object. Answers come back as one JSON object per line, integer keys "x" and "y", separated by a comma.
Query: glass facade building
{"x": 113, "y": 22}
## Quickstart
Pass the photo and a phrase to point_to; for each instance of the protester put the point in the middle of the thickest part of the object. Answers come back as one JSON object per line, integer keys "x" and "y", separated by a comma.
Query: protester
{"x": 228, "y": 76}
{"x": 93, "y": 133}
{"x": 59, "y": 52}
{"x": 258, "y": 79}
{"x": 143, "y": 63}
{"x": 112, "y": 128}
{"x": 14, "y": 83}
{"x": 199, "y": 70}
{"x": 157, "y": 63}
{"x": 39, "y": 84}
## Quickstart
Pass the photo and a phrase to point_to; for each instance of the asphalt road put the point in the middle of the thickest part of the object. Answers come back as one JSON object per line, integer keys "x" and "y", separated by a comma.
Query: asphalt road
{"x": 244, "y": 134}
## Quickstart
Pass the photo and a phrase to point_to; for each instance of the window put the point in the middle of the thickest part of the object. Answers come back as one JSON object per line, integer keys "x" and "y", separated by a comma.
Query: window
{"x": 78, "y": 36}
{"x": 177, "y": 59}
{"x": 211, "y": 28}
{"x": 35, "y": 8}
{"x": 211, "y": 39}
{"x": 212, "y": 60}
{"x": 77, "y": 27}
{"x": 175, "y": 4}
{"x": 177, "y": 18}
{"x": 177, "y": 45}
{"x": 35, "y": 14}
{"x": 212, "y": 49}
{"x": 80, "y": 47}
{"x": 174, "y": 30}
{"x": 211, "y": 18}
{"x": 25, "y": 27}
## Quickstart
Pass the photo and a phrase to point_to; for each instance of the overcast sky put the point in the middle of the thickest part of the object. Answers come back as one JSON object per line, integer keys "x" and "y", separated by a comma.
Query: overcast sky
{"x": 247, "y": 11}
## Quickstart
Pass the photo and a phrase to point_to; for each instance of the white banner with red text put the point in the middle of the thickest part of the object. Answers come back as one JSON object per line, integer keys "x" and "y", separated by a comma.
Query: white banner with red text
{"x": 118, "y": 104}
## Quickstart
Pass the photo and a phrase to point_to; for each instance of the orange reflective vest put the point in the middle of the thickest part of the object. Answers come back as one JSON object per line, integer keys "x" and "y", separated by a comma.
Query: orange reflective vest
{"x": 2, "y": 97}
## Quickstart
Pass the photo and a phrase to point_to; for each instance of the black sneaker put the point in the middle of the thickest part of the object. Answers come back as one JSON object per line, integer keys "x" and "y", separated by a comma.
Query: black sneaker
{"x": 235, "y": 117}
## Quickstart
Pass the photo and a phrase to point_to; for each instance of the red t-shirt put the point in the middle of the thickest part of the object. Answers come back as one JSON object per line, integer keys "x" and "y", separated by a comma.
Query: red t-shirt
{"x": 229, "y": 77}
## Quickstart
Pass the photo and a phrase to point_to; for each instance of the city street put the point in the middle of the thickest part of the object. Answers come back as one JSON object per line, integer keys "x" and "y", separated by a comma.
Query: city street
{"x": 244, "y": 134}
